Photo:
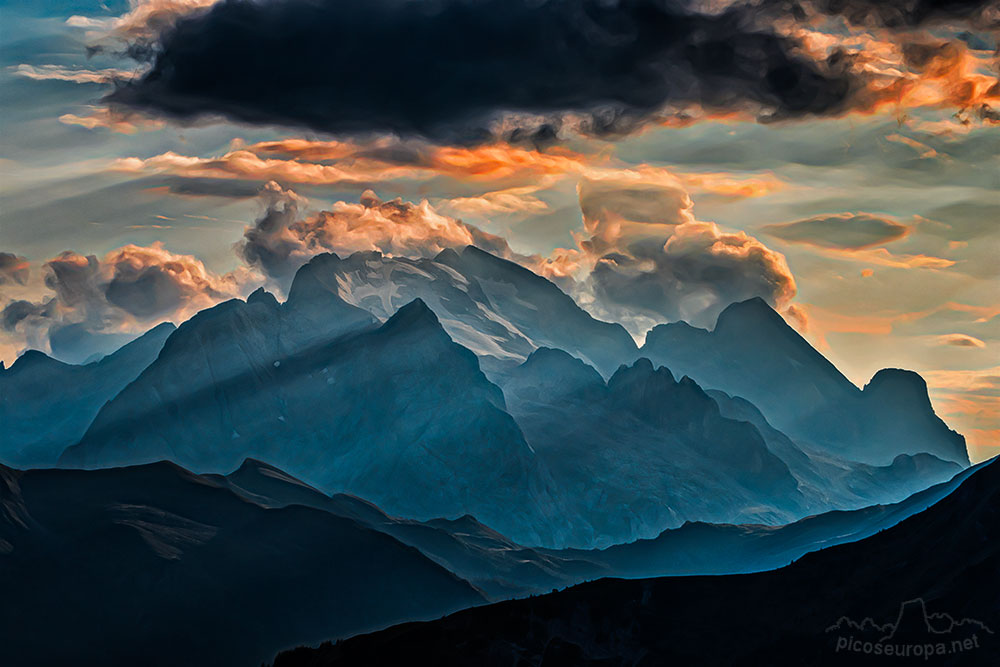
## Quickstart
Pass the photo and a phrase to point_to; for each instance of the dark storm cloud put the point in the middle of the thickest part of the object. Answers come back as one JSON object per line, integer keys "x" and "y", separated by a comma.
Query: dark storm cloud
{"x": 845, "y": 231}
{"x": 450, "y": 69}
{"x": 13, "y": 269}
{"x": 911, "y": 13}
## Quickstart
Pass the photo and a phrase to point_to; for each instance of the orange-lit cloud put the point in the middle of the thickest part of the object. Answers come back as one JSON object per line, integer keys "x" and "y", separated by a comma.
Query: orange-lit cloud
{"x": 144, "y": 20}
{"x": 281, "y": 240}
{"x": 127, "y": 291}
{"x": 245, "y": 164}
{"x": 519, "y": 171}
{"x": 913, "y": 70}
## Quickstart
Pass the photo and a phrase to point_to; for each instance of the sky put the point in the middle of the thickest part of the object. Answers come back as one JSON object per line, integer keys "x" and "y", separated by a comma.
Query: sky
{"x": 656, "y": 159}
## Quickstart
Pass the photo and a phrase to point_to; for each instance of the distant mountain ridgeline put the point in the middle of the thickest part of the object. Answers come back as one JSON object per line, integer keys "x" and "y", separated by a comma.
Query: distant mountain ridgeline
{"x": 369, "y": 380}
{"x": 155, "y": 565}
{"x": 899, "y": 590}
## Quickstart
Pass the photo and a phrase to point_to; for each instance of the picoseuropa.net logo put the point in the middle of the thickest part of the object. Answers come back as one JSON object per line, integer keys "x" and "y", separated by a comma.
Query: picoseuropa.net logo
{"x": 914, "y": 634}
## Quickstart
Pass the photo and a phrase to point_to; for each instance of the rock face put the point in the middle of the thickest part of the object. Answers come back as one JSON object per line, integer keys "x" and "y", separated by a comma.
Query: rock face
{"x": 47, "y": 405}
{"x": 752, "y": 353}
{"x": 497, "y": 309}
{"x": 153, "y": 565}
{"x": 399, "y": 415}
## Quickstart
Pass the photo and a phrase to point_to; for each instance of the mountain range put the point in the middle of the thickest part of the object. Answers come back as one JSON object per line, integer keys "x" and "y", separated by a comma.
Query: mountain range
{"x": 231, "y": 569}
{"x": 799, "y": 614}
{"x": 468, "y": 385}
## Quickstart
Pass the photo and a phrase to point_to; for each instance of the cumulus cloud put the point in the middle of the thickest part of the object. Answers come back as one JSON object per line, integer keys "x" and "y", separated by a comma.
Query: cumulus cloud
{"x": 13, "y": 269}
{"x": 652, "y": 260}
{"x": 848, "y": 231}
{"x": 694, "y": 275}
{"x": 526, "y": 69}
{"x": 126, "y": 291}
{"x": 280, "y": 240}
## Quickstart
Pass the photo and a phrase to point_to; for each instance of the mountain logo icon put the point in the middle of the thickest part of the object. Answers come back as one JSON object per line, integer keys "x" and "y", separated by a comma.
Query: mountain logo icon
{"x": 914, "y": 633}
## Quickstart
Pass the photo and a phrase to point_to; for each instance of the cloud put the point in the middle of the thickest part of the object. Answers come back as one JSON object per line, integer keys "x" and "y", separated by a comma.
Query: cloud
{"x": 13, "y": 269}
{"x": 527, "y": 69}
{"x": 116, "y": 120}
{"x": 283, "y": 237}
{"x": 509, "y": 201}
{"x": 245, "y": 164}
{"x": 694, "y": 275}
{"x": 845, "y": 231}
{"x": 903, "y": 14}
{"x": 127, "y": 291}
{"x": 307, "y": 162}
{"x": 58, "y": 73}
{"x": 960, "y": 340}
{"x": 280, "y": 241}
{"x": 652, "y": 260}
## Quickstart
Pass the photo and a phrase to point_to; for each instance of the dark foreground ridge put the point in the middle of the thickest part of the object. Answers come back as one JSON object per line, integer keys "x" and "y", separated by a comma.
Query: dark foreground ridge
{"x": 797, "y": 615}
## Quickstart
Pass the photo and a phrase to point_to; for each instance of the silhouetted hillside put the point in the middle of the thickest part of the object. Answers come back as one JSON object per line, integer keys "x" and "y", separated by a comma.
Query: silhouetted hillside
{"x": 947, "y": 556}
{"x": 153, "y": 565}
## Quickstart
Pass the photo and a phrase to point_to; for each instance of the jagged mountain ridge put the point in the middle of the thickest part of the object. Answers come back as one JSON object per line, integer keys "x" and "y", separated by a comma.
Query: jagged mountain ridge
{"x": 753, "y": 353}
{"x": 399, "y": 415}
{"x": 498, "y": 309}
{"x": 644, "y": 451}
{"x": 243, "y": 380}
{"x": 46, "y": 405}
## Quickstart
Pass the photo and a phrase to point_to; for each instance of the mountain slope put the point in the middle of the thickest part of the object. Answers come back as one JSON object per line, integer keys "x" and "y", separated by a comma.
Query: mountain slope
{"x": 702, "y": 548}
{"x": 153, "y": 565}
{"x": 835, "y": 481}
{"x": 497, "y": 309}
{"x": 754, "y": 354}
{"x": 46, "y": 405}
{"x": 491, "y": 562}
{"x": 783, "y": 617}
{"x": 644, "y": 452}
{"x": 399, "y": 415}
